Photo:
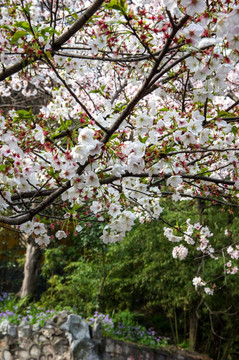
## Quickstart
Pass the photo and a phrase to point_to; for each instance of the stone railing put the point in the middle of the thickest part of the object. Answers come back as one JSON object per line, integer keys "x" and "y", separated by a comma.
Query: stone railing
{"x": 68, "y": 337}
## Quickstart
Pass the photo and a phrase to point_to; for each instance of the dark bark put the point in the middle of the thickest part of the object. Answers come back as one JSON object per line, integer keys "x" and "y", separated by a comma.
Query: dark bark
{"x": 193, "y": 326}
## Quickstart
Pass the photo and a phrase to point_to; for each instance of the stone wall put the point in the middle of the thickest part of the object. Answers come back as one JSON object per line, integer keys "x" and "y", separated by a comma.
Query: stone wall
{"x": 120, "y": 350}
{"x": 68, "y": 337}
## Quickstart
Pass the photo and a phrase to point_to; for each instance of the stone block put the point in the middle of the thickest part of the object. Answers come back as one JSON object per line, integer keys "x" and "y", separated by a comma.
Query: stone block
{"x": 24, "y": 330}
{"x": 77, "y": 327}
{"x": 4, "y": 326}
{"x": 34, "y": 350}
{"x": 25, "y": 343}
{"x": 36, "y": 327}
{"x": 12, "y": 330}
{"x": 126, "y": 349}
{"x": 48, "y": 332}
{"x": 161, "y": 357}
{"x": 60, "y": 345}
{"x": 23, "y": 354}
{"x": 110, "y": 346}
{"x": 4, "y": 342}
{"x": 6, "y": 355}
{"x": 47, "y": 349}
{"x": 118, "y": 349}
{"x": 97, "y": 331}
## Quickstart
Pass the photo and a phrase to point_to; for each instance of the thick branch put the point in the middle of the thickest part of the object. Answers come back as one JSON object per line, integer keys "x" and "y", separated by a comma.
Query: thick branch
{"x": 18, "y": 220}
{"x": 88, "y": 13}
{"x": 91, "y": 10}
{"x": 111, "y": 179}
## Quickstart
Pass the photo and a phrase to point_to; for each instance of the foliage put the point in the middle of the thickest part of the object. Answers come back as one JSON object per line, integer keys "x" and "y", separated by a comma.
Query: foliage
{"x": 15, "y": 311}
{"x": 143, "y": 107}
{"x": 142, "y": 104}
{"x": 143, "y": 281}
{"x": 74, "y": 271}
{"x": 122, "y": 327}
{"x": 77, "y": 287}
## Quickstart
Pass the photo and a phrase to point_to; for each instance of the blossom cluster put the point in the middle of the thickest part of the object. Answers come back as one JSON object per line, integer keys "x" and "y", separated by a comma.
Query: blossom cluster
{"x": 140, "y": 102}
{"x": 196, "y": 231}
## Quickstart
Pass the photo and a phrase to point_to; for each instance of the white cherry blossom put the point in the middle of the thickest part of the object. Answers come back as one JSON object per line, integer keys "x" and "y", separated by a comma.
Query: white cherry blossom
{"x": 194, "y": 6}
{"x": 60, "y": 234}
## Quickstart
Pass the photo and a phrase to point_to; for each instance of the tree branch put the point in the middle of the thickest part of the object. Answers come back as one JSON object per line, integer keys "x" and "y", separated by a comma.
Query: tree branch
{"x": 88, "y": 13}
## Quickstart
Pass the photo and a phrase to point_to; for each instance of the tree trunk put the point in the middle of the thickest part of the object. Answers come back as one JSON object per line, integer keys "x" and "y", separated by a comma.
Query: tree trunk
{"x": 193, "y": 326}
{"x": 31, "y": 269}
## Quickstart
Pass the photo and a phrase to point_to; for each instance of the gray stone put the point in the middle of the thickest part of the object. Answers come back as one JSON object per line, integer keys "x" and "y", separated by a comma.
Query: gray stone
{"x": 60, "y": 318}
{"x": 23, "y": 323}
{"x": 34, "y": 350}
{"x": 68, "y": 338}
{"x": 36, "y": 327}
{"x": 77, "y": 327}
{"x": 25, "y": 342}
{"x": 24, "y": 331}
{"x": 48, "y": 349}
{"x": 12, "y": 330}
{"x": 7, "y": 355}
{"x": 126, "y": 349}
{"x": 48, "y": 332}
{"x": 4, "y": 327}
{"x": 84, "y": 349}
{"x": 162, "y": 357}
{"x": 118, "y": 349}
{"x": 60, "y": 345}
{"x": 23, "y": 354}
{"x": 97, "y": 331}
{"x": 110, "y": 346}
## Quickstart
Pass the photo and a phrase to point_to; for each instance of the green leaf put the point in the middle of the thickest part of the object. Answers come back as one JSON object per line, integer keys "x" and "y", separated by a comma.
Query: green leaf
{"x": 63, "y": 126}
{"x": 234, "y": 130}
{"x": 3, "y": 167}
{"x": 75, "y": 16}
{"x": 223, "y": 113}
{"x": 118, "y": 5}
{"x": 68, "y": 122}
{"x": 24, "y": 25}
{"x": 18, "y": 34}
{"x": 27, "y": 9}
{"x": 113, "y": 136}
{"x": 96, "y": 92}
{"x": 143, "y": 140}
{"x": 24, "y": 114}
{"x": 115, "y": 7}
{"x": 5, "y": 27}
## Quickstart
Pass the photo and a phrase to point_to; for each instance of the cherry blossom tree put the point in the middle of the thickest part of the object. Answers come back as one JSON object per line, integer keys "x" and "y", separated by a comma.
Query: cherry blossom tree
{"x": 144, "y": 104}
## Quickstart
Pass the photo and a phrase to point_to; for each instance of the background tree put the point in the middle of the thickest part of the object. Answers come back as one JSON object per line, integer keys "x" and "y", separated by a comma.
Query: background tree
{"x": 141, "y": 281}
{"x": 144, "y": 104}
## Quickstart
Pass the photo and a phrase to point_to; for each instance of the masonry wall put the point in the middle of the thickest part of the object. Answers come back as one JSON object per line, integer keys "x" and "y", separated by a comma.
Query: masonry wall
{"x": 120, "y": 350}
{"x": 67, "y": 337}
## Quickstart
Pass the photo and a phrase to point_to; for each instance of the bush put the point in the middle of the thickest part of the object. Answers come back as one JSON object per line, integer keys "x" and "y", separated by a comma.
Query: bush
{"x": 16, "y": 311}
{"x": 123, "y": 327}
